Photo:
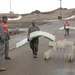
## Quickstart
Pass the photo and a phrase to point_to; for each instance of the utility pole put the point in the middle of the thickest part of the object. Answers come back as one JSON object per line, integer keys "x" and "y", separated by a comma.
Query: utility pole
{"x": 61, "y": 8}
{"x": 10, "y": 5}
{"x": 60, "y": 17}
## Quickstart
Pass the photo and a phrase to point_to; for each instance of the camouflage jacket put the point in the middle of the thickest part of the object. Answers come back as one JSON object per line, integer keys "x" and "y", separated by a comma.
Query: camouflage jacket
{"x": 2, "y": 35}
{"x": 32, "y": 29}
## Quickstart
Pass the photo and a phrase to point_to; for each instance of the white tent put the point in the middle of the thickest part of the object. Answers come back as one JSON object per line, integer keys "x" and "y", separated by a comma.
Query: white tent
{"x": 19, "y": 17}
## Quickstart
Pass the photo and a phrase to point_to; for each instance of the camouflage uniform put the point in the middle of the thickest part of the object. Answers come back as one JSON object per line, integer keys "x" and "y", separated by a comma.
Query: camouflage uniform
{"x": 2, "y": 43}
{"x": 7, "y": 37}
{"x": 66, "y": 29}
{"x": 34, "y": 42}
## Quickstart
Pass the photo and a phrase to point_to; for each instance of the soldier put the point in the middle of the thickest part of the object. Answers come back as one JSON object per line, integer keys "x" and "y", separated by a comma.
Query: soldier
{"x": 7, "y": 37}
{"x": 2, "y": 47}
{"x": 34, "y": 42}
{"x": 66, "y": 29}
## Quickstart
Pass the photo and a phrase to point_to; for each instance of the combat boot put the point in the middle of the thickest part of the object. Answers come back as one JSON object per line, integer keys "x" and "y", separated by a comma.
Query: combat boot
{"x": 35, "y": 56}
{"x": 2, "y": 69}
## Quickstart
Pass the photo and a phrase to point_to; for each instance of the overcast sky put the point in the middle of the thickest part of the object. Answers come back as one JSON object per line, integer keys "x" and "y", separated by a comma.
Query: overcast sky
{"x": 27, "y": 6}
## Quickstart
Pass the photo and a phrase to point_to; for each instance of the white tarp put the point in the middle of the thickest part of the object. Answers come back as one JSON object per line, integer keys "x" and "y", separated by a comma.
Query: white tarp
{"x": 69, "y": 27}
{"x": 68, "y": 18}
{"x": 36, "y": 34}
{"x": 15, "y": 18}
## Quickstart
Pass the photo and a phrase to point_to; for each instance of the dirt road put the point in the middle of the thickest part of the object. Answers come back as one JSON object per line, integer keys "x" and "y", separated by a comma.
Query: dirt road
{"x": 23, "y": 63}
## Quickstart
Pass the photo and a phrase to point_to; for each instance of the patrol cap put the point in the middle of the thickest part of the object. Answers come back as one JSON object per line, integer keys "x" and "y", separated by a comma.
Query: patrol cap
{"x": 33, "y": 20}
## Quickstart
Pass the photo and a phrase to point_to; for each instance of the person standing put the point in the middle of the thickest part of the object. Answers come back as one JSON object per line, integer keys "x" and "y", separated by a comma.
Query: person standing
{"x": 35, "y": 41}
{"x": 66, "y": 29}
{"x": 2, "y": 47}
{"x": 7, "y": 37}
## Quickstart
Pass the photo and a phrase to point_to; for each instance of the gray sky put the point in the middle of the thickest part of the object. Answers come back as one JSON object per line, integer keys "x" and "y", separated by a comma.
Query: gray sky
{"x": 27, "y": 6}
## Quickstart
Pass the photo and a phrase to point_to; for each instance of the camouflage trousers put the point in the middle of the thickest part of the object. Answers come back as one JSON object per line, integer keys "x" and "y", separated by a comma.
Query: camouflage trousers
{"x": 2, "y": 50}
{"x": 34, "y": 45}
{"x": 6, "y": 48}
{"x": 67, "y": 32}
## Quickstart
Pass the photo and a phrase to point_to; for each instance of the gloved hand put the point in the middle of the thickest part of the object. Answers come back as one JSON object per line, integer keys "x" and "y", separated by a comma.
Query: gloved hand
{"x": 28, "y": 36}
{"x": 8, "y": 36}
{"x": 28, "y": 39}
